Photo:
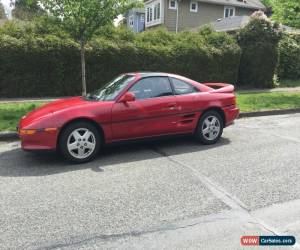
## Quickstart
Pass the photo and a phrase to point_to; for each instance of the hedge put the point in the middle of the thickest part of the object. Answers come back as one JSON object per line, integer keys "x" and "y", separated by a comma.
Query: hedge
{"x": 289, "y": 57}
{"x": 40, "y": 59}
{"x": 259, "y": 44}
{"x": 49, "y": 65}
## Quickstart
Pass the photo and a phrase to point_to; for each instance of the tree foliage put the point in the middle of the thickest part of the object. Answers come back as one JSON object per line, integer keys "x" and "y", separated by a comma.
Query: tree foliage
{"x": 289, "y": 59}
{"x": 285, "y": 11}
{"x": 81, "y": 19}
{"x": 26, "y": 9}
{"x": 259, "y": 43}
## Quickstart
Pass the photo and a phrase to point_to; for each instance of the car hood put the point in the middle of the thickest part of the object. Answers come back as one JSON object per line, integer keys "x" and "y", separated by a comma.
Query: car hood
{"x": 56, "y": 106}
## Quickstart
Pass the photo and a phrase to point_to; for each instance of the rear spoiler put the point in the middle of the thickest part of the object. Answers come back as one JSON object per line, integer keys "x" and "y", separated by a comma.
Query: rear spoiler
{"x": 220, "y": 87}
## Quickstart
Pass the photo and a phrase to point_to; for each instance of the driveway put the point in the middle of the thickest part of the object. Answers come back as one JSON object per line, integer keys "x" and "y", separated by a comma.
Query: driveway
{"x": 171, "y": 194}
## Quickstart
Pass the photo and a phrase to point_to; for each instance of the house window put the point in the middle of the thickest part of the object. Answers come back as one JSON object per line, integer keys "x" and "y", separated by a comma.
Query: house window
{"x": 148, "y": 14}
{"x": 151, "y": 15}
{"x": 158, "y": 11}
{"x": 229, "y": 11}
{"x": 173, "y": 4}
{"x": 131, "y": 21}
{"x": 194, "y": 7}
{"x": 142, "y": 18}
{"x": 154, "y": 13}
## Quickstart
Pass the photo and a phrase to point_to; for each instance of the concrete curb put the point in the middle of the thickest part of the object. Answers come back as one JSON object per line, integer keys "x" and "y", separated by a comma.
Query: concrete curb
{"x": 31, "y": 100}
{"x": 270, "y": 112}
{"x": 10, "y": 135}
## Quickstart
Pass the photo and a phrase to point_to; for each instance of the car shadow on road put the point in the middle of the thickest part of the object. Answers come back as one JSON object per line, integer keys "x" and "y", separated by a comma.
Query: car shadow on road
{"x": 16, "y": 163}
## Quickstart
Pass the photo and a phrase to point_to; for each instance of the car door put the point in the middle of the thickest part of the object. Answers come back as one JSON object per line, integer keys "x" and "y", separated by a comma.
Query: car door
{"x": 186, "y": 97}
{"x": 152, "y": 113}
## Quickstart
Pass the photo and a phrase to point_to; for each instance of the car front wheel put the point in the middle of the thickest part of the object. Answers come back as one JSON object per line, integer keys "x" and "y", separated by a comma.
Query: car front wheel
{"x": 80, "y": 142}
{"x": 210, "y": 128}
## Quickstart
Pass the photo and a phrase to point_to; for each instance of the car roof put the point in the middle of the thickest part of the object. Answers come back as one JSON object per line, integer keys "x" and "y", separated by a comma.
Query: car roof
{"x": 147, "y": 74}
{"x": 153, "y": 74}
{"x": 162, "y": 74}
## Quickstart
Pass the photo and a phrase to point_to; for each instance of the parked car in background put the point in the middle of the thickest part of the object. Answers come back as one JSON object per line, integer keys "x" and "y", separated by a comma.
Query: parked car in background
{"x": 132, "y": 106}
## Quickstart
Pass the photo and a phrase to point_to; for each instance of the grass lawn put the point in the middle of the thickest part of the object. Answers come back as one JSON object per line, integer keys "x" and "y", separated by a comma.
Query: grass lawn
{"x": 266, "y": 101}
{"x": 11, "y": 113}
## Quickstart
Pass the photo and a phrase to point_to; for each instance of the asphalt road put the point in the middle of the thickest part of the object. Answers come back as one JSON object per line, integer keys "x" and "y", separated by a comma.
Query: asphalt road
{"x": 167, "y": 194}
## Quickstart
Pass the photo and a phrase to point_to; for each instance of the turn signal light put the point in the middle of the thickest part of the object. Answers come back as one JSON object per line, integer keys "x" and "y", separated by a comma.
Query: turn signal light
{"x": 27, "y": 131}
{"x": 33, "y": 131}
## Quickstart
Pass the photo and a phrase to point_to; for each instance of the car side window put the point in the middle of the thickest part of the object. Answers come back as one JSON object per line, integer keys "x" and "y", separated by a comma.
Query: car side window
{"x": 183, "y": 88}
{"x": 152, "y": 87}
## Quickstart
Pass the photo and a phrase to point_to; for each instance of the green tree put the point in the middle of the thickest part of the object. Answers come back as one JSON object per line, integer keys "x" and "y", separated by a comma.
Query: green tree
{"x": 26, "y": 9}
{"x": 82, "y": 18}
{"x": 285, "y": 11}
{"x": 2, "y": 11}
{"x": 259, "y": 43}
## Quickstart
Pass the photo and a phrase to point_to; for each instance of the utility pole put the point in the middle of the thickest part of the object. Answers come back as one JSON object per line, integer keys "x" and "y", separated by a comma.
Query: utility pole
{"x": 177, "y": 16}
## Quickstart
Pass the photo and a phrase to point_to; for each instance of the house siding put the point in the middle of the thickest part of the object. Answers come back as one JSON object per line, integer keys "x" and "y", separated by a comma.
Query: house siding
{"x": 138, "y": 25}
{"x": 206, "y": 13}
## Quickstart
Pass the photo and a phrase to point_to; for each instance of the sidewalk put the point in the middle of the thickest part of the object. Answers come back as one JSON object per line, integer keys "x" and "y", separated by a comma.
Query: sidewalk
{"x": 288, "y": 89}
{"x": 21, "y": 100}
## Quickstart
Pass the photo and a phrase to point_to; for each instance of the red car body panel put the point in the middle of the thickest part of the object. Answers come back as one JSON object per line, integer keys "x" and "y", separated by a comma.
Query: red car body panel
{"x": 176, "y": 114}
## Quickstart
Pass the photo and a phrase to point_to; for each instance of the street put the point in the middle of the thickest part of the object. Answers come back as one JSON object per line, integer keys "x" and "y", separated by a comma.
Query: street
{"x": 165, "y": 194}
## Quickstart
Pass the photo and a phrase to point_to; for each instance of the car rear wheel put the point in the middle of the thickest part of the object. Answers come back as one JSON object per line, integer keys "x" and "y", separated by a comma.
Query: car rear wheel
{"x": 210, "y": 128}
{"x": 80, "y": 142}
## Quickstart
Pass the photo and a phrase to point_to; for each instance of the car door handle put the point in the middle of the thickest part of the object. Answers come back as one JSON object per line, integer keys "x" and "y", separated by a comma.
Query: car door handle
{"x": 171, "y": 106}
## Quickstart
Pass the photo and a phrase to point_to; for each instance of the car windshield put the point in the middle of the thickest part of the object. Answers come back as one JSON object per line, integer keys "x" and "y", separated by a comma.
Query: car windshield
{"x": 111, "y": 90}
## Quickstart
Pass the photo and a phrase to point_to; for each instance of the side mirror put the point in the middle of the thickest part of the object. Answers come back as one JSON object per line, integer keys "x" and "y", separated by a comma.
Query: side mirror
{"x": 128, "y": 97}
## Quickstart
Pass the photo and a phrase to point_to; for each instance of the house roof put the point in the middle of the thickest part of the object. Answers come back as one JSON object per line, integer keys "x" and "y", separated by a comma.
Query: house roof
{"x": 250, "y": 4}
{"x": 238, "y": 22}
{"x": 230, "y": 23}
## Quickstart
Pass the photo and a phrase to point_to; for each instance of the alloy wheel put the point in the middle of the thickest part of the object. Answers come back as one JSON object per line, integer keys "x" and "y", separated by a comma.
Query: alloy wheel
{"x": 211, "y": 128}
{"x": 81, "y": 143}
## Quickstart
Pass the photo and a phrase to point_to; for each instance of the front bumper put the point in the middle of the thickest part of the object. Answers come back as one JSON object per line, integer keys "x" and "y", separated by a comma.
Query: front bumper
{"x": 40, "y": 140}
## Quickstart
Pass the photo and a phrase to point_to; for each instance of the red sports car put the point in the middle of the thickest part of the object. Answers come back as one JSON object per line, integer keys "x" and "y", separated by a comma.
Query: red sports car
{"x": 132, "y": 106}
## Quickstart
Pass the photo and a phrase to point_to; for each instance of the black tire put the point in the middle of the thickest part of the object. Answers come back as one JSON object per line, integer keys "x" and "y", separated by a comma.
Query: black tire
{"x": 199, "y": 133}
{"x": 66, "y": 136}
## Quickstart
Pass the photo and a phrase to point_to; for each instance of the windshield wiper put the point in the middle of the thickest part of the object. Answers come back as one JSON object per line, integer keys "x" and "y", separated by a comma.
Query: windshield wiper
{"x": 91, "y": 97}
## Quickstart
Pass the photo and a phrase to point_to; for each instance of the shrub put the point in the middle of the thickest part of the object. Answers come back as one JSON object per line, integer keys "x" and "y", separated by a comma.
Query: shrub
{"x": 289, "y": 57}
{"x": 259, "y": 44}
{"x": 42, "y": 64}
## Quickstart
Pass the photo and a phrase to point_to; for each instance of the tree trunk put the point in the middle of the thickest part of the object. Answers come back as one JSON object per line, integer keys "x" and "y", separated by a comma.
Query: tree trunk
{"x": 83, "y": 74}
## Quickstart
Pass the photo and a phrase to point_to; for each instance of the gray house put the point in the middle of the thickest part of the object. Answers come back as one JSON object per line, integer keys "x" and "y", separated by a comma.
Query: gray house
{"x": 135, "y": 20}
{"x": 178, "y": 15}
